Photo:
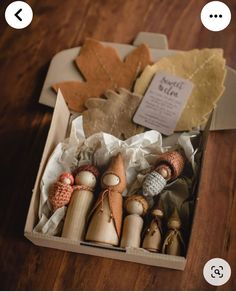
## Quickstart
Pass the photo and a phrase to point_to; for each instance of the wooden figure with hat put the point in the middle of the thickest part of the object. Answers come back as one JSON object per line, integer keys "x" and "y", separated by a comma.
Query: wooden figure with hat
{"x": 81, "y": 202}
{"x": 106, "y": 215}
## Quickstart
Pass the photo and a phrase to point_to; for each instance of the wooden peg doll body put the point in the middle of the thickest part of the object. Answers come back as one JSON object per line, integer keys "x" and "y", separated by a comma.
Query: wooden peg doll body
{"x": 136, "y": 207}
{"x": 153, "y": 236}
{"x": 81, "y": 202}
{"x": 106, "y": 215}
{"x": 173, "y": 243}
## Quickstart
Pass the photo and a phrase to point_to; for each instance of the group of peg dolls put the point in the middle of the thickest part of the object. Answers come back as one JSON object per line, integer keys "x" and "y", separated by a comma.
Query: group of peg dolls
{"x": 117, "y": 221}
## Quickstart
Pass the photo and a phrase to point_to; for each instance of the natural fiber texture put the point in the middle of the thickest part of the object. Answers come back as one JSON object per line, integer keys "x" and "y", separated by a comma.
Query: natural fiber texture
{"x": 175, "y": 160}
{"x": 88, "y": 167}
{"x": 112, "y": 115}
{"x": 205, "y": 68}
{"x": 60, "y": 196}
{"x": 139, "y": 199}
{"x": 102, "y": 69}
{"x": 153, "y": 184}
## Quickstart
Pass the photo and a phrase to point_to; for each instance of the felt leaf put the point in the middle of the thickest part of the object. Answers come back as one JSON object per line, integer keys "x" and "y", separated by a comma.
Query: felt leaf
{"x": 102, "y": 69}
{"x": 205, "y": 68}
{"x": 112, "y": 115}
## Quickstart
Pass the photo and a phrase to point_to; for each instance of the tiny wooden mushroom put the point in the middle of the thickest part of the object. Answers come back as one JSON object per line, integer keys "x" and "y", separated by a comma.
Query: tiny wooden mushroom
{"x": 81, "y": 202}
{"x": 153, "y": 235}
{"x": 173, "y": 243}
{"x": 136, "y": 206}
{"x": 106, "y": 215}
{"x": 169, "y": 166}
{"x": 62, "y": 190}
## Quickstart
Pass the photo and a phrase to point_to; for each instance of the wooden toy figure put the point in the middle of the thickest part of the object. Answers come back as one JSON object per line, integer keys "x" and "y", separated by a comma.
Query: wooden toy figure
{"x": 153, "y": 236}
{"x": 173, "y": 243}
{"x": 136, "y": 206}
{"x": 81, "y": 202}
{"x": 106, "y": 215}
{"x": 168, "y": 167}
{"x": 62, "y": 190}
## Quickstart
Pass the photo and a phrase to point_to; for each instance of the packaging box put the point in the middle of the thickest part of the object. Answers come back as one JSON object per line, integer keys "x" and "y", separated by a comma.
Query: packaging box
{"x": 223, "y": 117}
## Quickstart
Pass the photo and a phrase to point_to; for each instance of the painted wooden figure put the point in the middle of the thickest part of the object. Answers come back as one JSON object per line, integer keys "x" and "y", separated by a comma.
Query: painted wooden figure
{"x": 173, "y": 243}
{"x": 153, "y": 235}
{"x": 136, "y": 206}
{"x": 106, "y": 215}
{"x": 62, "y": 190}
{"x": 81, "y": 202}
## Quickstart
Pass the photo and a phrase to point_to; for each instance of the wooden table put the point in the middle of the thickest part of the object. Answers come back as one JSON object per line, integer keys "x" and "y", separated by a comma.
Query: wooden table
{"x": 24, "y": 59}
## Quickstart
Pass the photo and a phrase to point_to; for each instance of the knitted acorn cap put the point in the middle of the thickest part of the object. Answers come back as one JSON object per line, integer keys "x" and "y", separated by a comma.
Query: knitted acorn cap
{"x": 87, "y": 167}
{"x": 175, "y": 160}
{"x": 66, "y": 175}
{"x": 117, "y": 168}
{"x": 158, "y": 209}
{"x": 139, "y": 199}
{"x": 174, "y": 220}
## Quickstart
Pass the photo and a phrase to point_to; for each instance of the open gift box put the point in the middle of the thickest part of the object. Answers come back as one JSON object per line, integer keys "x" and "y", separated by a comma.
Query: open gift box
{"x": 59, "y": 130}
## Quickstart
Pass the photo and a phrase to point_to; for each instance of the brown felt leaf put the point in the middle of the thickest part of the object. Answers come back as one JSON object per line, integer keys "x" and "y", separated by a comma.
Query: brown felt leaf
{"x": 102, "y": 69}
{"x": 112, "y": 115}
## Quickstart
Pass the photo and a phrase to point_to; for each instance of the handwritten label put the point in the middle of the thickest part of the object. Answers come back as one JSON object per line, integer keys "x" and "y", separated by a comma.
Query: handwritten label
{"x": 163, "y": 103}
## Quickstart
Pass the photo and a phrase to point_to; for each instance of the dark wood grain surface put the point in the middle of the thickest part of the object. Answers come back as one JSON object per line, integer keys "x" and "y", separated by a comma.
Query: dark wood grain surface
{"x": 24, "y": 60}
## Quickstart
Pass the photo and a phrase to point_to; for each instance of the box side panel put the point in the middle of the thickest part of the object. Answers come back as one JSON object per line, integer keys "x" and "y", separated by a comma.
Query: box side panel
{"x": 132, "y": 255}
{"x": 56, "y": 134}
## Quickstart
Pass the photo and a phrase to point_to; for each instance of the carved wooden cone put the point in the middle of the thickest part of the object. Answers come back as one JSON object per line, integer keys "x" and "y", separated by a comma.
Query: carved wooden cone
{"x": 136, "y": 206}
{"x": 80, "y": 204}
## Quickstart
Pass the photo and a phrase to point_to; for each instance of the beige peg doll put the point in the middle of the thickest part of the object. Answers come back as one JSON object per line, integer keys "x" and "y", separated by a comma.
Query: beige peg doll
{"x": 81, "y": 202}
{"x": 173, "y": 243}
{"x": 153, "y": 235}
{"x": 136, "y": 206}
{"x": 106, "y": 215}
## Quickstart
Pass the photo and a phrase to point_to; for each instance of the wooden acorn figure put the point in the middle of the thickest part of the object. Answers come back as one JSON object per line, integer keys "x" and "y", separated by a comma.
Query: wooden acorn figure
{"x": 153, "y": 235}
{"x": 173, "y": 243}
{"x": 81, "y": 202}
{"x": 62, "y": 190}
{"x": 106, "y": 215}
{"x": 136, "y": 206}
{"x": 168, "y": 167}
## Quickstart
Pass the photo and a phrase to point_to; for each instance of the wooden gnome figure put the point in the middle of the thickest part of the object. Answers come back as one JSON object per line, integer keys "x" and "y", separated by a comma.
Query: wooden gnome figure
{"x": 173, "y": 243}
{"x": 168, "y": 167}
{"x": 136, "y": 206}
{"x": 62, "y": 190}
{"x": 106, "y": 215}
{"x": 81, "y": 202}
{"x": 153, "y": 235}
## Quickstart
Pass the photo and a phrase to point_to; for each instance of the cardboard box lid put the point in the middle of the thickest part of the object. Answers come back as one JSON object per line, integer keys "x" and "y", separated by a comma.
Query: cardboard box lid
{"x": 62, "y": 69}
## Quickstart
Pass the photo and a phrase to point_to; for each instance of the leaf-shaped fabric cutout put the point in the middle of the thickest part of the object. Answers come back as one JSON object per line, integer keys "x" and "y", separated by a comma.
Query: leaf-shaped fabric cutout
{"x": 112, "y": 115}
{"x": 205, "y": 68}
{"x": 102, "y": 69}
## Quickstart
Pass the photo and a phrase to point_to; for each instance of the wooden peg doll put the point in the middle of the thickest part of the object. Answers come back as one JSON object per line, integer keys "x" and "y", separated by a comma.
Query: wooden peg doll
{"x": 106, "y": 215}
{"x": 168, "y": 167}
{"x": 62, "y": 190}
{"x": 153, "y": 235}
{"x": 81, "y": 202}
{"x": 173, "y": 243}
{"x": 136, "y": 206}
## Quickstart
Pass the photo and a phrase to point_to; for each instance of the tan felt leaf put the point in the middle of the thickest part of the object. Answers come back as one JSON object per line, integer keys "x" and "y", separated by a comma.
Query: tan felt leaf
{"x": 112, "y": 115}
{"x": 205, "y": 68}
{"x": 102, "y": 69}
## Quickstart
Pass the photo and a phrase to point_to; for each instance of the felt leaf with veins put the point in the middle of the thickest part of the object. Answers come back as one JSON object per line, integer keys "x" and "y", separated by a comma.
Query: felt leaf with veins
{"x": 112, "y": 115}
{"x": 102, "y": 69}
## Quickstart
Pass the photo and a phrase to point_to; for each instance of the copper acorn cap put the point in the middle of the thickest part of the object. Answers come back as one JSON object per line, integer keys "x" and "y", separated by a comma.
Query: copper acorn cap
{"x": 175, "y": 160}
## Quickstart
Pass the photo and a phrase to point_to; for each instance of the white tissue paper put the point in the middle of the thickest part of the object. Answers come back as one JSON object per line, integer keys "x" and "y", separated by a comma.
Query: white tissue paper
{"x": 139, "y": 152}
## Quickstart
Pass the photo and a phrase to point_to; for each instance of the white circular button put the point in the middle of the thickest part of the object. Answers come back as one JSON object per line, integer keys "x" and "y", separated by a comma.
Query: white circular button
{"x": 217, "y": 272}
{"x": 18, "y": 14}
{"x": 215, "y": 16}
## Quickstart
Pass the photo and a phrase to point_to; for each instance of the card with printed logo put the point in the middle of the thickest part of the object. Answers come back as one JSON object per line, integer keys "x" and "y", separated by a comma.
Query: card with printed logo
{"x": 163, "y": 103}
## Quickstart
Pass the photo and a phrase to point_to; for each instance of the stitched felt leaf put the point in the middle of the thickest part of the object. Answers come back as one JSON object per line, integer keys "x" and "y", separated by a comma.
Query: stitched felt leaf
{"x": 112, "y": 115}
{"x": 205, "y": 68}
{"x": 102, "y": 69}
